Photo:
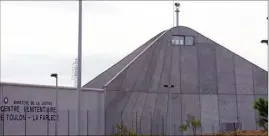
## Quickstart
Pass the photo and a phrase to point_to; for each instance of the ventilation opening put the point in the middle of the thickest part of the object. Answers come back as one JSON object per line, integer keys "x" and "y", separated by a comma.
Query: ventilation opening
{"x": 182, "y": 40}
{"x": 231, "y": 126}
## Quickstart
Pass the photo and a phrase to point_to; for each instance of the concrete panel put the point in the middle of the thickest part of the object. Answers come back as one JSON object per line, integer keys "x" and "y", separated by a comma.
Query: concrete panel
{"x": 64, "y": 122}
{"x": 165, "y": 78}
{"x": 153, "y": 63}
{"x": 207, "y": 68}
{"x": 189, "y": 69}
{"x": 160, "y": 113}
{"x": 260, "y": 78}
{"x": 227, "y": 109}
{"x": 1, "y": 103}
{"x": 155, "y": 82}
{"x": 243, "y": 76}
{"x": 128, "y": 109}
{"x": 209, "y": 114}
{"x": 190, "y": 105}
{"x": 175, "y": 70}
{"x": 28, "y": 126}
{"x": 116, "y": 84}
{"x": 102, "y": 113}
{"x": 110, "y": 96}
{"x": 92, "y": 117}
{"x": 245, "y": 111}
{"x": 202, "y": 39}
{"x": 72, "y": 126}
{"x": 114, "y": 110}
{"x": 147, "y": 115}
{"x": 143, "y": 70}
{"x": 137, "y": 111}
{"x": 225, "y": 71}
{"x": 103, "y": 78}
{"x": 67, "y": 124}
{"x": 36, "y": 100}
{"x": 133, "y": 71}
{"x": 175, "y": 114}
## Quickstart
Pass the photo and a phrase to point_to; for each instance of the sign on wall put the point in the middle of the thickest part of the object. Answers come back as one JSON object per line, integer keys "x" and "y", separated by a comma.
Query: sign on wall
{"x": 20, "y": 110}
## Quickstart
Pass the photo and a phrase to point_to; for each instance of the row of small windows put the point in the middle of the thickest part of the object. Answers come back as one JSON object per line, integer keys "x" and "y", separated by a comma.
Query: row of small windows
{"x": 182, "y": 40}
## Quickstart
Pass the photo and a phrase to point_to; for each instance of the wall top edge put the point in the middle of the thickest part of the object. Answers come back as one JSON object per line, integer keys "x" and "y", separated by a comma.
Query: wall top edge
{"x": 49, "y": 86}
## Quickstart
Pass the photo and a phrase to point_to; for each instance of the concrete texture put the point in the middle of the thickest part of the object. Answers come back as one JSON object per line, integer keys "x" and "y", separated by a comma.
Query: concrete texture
{"x": 175, "y": 114}
{"x": 260, "y": 80}
{"x": 175, "y": 70}
{"x": 210, "y": 82}
{"x": 91, "y": 103}
{"x": 103, "y": 78}
{"x": 160, "y": 114}
{"x": 147, "y": 114}
{"x": 189, "y": 69}
{"x": 207, "y": 68}
{"x": 227, "y": 108}
{"x": 243, "y": 76}
{"x": 245, "y": 111}
{"x": 209, "y": 114}
{"x": 115, "y": 110}
{"x": 155, "y": 79}
{"x": 190, "y": 104}
{"x": 225, "y": 71}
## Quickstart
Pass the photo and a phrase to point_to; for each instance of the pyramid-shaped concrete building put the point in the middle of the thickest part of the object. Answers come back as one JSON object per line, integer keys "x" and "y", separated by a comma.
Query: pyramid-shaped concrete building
{"x": 180, "y": 72}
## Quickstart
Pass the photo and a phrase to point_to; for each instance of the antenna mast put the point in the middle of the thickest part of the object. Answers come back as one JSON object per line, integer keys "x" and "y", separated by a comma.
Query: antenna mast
{"x": 177, "y": 12}
{"x": 75, "y": 71}
{"x": 173, "y": 13}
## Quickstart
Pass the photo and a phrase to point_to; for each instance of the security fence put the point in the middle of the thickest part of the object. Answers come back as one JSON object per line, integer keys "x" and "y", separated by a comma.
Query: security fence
{"x": 51, "y": 123}
{"x": 161, "y": 126}
{"x": 163, "y": 113}
{"x": 64, "y": 123}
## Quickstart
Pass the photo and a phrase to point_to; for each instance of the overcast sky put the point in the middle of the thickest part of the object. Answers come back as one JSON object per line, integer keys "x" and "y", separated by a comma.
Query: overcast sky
{"x": 40, "y": 37}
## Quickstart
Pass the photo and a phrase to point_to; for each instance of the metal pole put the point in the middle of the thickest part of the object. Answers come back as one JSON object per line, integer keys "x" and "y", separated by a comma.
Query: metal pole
{"x": 173, "y": 13}
{"x": 170, "y": 124}
{"x": 68, "y": 122}
{"x": 79, "y": 65}
{"x": 177, "y": 16}
{"x": 169, "y": 105}
{"x": 56, "y": 123}
{"x": 177, "y": 11}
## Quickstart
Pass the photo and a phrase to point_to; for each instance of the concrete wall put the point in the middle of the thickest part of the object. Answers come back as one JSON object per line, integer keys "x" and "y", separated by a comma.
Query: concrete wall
{"x": 92, "y": 110}
{"x": 212, "y": 83}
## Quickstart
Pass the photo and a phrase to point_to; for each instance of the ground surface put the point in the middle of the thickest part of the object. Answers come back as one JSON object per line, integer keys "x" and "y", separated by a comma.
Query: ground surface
{"x": 245, "y": 133}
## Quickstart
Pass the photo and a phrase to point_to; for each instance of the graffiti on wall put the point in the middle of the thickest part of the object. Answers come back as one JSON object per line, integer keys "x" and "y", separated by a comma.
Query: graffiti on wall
{"x": 20, "y": 110}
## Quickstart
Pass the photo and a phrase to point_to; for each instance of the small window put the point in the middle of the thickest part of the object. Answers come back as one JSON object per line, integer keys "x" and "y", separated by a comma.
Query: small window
{"x": 177, "y": 40}
{"x": 189, "y": 40}
{"x": 182, "y": 40}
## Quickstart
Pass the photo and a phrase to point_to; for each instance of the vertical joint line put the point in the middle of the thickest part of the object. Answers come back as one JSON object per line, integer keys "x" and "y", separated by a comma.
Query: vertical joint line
{"x": 235, "y": 89}
{"x": 217, "y": 84}
{"x": 198, "y": 84}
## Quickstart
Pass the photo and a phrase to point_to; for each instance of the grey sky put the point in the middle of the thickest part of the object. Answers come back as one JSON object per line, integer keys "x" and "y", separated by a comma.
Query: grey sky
{"x": 38, "y": 38}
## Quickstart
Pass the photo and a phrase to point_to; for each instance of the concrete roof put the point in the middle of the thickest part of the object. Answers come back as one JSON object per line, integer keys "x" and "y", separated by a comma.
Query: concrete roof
{"x": 106, "y": 76}
{"x": 145, "y": 59}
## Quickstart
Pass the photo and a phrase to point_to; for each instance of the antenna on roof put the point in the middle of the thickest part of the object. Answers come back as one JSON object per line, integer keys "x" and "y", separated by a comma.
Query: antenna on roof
{"x": 173, "y": 13}
{"x": 177, "y": 11}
